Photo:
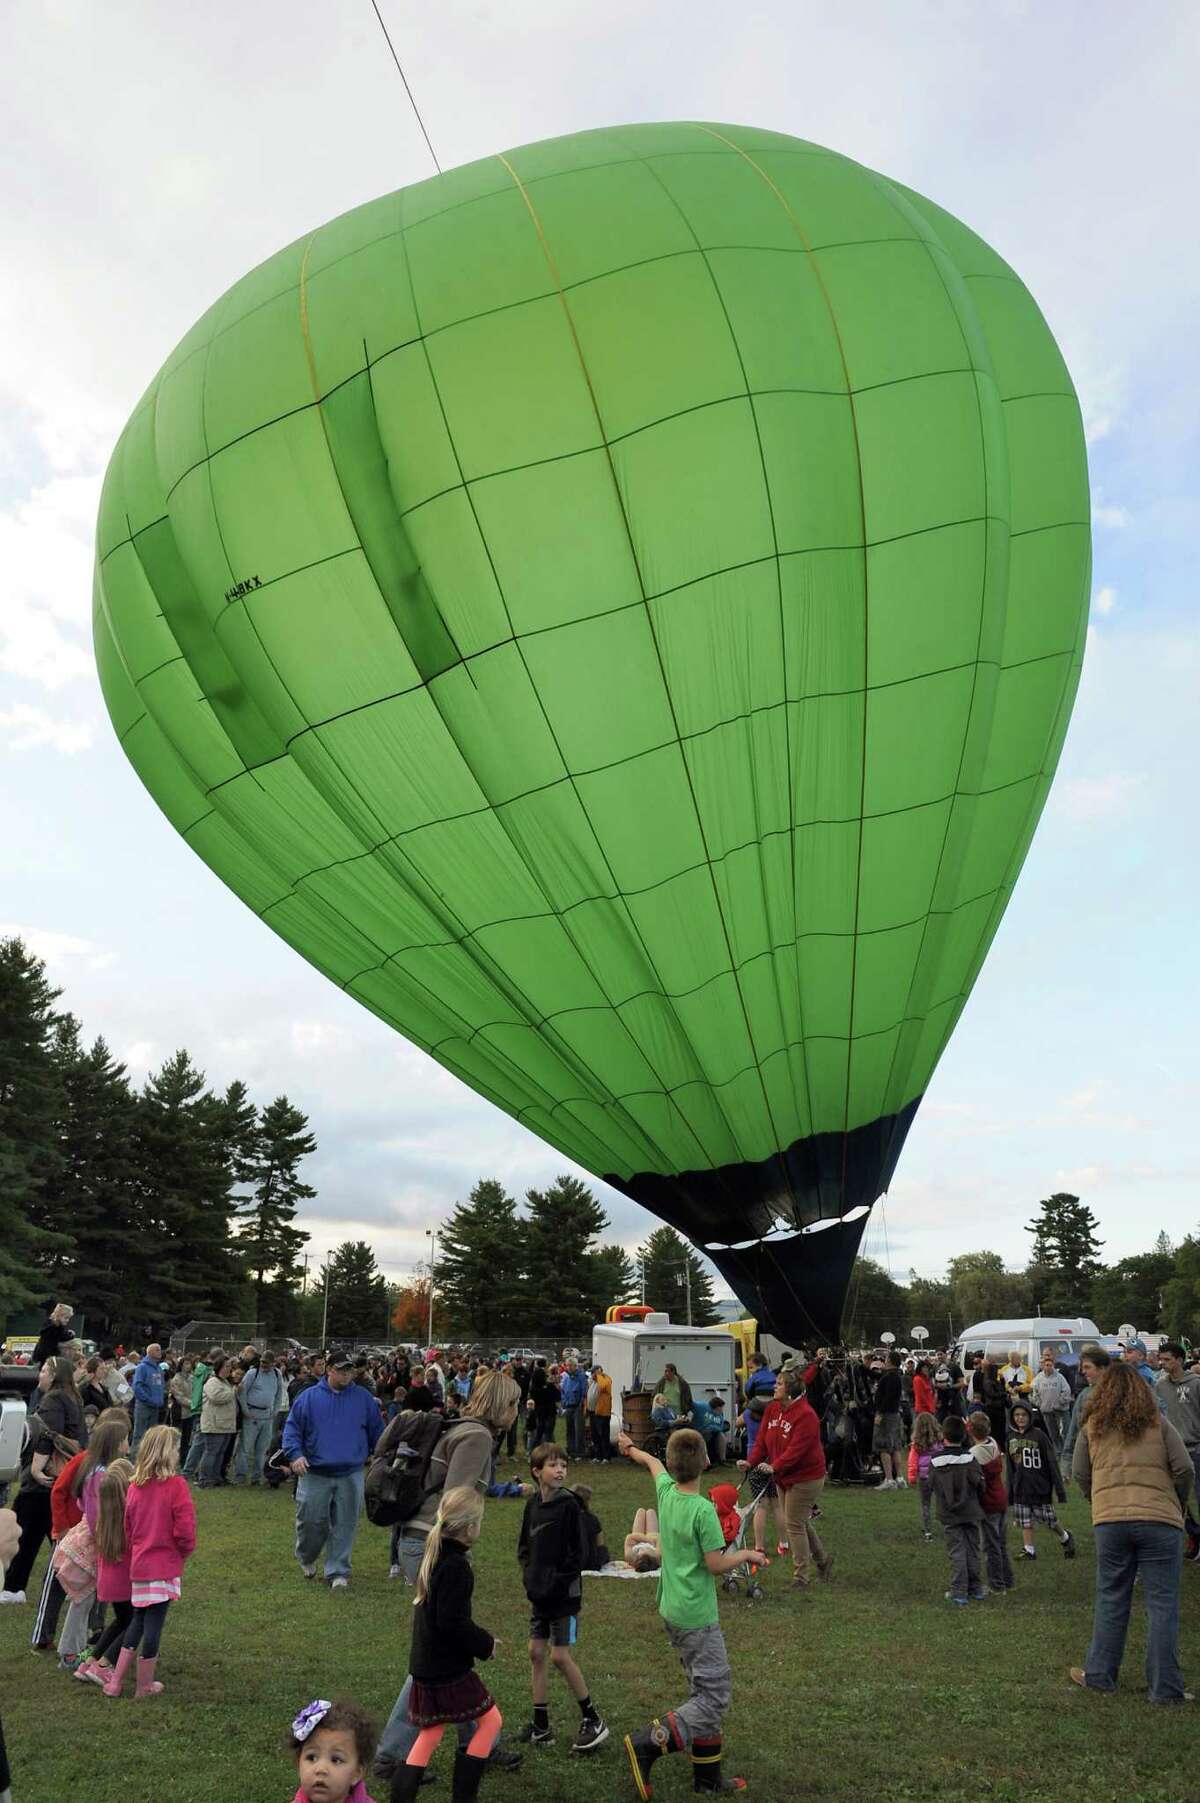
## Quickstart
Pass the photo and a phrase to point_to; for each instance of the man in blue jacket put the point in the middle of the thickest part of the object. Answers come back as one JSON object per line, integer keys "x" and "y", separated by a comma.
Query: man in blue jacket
{"x": 148, "y": 1394}
{"x": 572, "y": 1390}
{"x": 329, "y": 1435}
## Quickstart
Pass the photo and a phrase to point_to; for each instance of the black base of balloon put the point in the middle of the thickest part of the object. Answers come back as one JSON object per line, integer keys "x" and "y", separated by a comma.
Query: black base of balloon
{"x": 795, "y": 1286}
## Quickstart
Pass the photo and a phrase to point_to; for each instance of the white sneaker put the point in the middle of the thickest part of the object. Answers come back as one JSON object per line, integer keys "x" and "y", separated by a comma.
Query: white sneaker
{"x": 394, "y": 1571}
{"x": 310, "y": 1571}
{"x": 902, "y": 1483}
{"x": 12, "y": 1596}
{"x": 887, "y": 1484}
{"x": 339, "y": 1583}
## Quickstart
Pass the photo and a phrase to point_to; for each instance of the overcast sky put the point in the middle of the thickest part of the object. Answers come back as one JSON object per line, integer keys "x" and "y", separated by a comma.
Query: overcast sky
{"x": 155, "y": 153}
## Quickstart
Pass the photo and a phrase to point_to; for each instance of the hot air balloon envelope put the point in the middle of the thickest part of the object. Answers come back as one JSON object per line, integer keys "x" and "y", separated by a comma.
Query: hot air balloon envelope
{"x": 615, "y": 609}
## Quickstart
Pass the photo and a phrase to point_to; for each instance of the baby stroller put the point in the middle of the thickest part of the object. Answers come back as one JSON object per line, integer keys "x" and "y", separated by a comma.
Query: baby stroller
{"x": 745, "y": 1578}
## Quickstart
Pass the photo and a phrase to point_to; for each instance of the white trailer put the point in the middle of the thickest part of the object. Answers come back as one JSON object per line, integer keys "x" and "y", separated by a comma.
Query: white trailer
{"x": 633, "y": 1353}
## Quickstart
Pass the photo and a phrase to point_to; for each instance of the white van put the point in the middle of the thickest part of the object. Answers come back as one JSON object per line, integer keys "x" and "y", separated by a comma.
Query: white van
{"x": 633, "y": 1353}
{"x": 1030, "y": 1337}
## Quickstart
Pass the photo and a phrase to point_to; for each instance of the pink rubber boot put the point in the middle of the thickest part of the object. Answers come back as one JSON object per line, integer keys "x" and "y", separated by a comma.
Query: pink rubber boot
{"x": 115, "y": 1682}
{"x": 146, "y": 1686}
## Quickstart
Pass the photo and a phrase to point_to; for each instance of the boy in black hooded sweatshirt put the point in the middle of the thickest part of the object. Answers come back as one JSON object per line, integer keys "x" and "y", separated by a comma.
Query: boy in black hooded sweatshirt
{"x": 1033, "y": 1478}
{"x": 552, "y": 1550}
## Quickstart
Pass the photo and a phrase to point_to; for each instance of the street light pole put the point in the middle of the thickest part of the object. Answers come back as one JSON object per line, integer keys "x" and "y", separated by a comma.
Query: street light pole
{"x": 325, "y": 1312}
{"x": 431, "y": 1234}
{"x": 687, "y": 1278}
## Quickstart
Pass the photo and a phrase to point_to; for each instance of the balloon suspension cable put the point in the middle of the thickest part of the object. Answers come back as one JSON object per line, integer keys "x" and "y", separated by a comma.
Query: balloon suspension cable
{"x": 404, "y": 78}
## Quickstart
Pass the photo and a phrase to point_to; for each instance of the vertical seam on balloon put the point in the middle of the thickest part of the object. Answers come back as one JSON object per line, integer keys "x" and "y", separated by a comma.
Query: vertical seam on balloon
{"x": 648, "y": 166}
{"x": 906, "y": 211}
{"x": 606, "y": 1098}
{"x": 866, "y": 585}
{"x": 565, "y": 304}
{"x": 506, "y": 988}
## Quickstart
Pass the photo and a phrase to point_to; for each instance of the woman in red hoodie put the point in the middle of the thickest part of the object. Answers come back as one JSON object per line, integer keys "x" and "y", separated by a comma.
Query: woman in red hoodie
{"x": 160, "y": 1529}
{"x": 789, "y": 1449}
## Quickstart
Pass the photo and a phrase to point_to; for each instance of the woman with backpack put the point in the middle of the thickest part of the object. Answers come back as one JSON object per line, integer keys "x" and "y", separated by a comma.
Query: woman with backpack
{"x": 461, "y": 1457}
{"x": 57, "y": 1432}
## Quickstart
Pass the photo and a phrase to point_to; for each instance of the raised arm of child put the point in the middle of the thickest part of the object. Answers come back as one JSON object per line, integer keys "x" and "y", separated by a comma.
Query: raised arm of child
{"x": 626, "y": 1446}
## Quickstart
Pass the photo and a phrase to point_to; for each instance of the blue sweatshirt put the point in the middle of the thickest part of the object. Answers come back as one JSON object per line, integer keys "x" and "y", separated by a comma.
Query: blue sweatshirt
{"x": 335, "y": 1430}
{"x": 148, "y": 1383}
{"x": 573, "y": 1388}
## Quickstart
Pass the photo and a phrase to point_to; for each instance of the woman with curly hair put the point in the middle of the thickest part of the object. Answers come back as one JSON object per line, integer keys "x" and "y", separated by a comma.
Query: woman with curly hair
{"x": 1134, "y": 1469}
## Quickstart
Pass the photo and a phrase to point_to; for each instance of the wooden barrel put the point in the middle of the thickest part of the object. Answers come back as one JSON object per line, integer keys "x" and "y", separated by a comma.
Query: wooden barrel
{"x": 635, "y": 1414}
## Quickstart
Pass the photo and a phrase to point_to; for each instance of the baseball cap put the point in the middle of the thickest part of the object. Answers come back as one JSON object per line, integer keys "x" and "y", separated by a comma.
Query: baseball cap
{"x": 340, "y": 1361}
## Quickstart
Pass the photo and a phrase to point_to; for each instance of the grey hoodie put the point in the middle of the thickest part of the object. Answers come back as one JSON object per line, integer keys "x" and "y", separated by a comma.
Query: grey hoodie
{"x": 956, "y": 1477}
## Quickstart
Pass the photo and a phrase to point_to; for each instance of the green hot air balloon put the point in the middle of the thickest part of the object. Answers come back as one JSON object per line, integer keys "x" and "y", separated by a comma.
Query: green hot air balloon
{"x": 615, "y": 609}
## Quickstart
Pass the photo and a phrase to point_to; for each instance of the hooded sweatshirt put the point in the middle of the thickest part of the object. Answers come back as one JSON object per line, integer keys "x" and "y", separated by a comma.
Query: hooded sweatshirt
{"x": 1033, "y": 1474}
{"x": 724, "y": 1499}
{"x": 956, "y": 1477}
{"x": 790, "y": 1442}
{"x": 990, "y": 1457}
{"x": 551, "y": 1549}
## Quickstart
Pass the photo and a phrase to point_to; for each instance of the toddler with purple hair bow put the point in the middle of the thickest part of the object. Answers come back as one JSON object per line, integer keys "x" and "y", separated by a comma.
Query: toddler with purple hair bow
{"x": 333, "y": 1745}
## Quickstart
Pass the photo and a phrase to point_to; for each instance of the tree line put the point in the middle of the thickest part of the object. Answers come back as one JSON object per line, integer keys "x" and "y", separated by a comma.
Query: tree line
{"x": 1157, "y": 1290}
{"x": 147, "y": 1206}
{"x": 542, "y": 1272}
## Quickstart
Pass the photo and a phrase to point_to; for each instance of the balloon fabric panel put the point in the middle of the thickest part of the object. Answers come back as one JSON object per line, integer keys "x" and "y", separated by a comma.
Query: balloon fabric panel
{"x": 615, "y": 608}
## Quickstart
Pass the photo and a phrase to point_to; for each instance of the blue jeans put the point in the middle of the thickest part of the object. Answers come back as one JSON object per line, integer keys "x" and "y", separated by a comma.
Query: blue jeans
{"x": 256, "y": 1442}
{"x": 327, "y": 1512}
{"x": 573, "y": 1416}
{"x": 145, "y": 1416}
{"x": 212, "y": 1459}
{"x": 1125, "y": 1550}
{"x": 399, "y": 1736}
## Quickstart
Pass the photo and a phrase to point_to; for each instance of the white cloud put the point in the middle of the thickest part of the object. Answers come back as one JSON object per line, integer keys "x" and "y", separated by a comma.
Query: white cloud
{"x": 1104, "y": 602}
{"x": 27, "y": 728}
{"x": 59, "y": 950}
{"x": 310, "y": 1036}
{"x": 46, "y": 548}
{"x": 1115, "y": 519}
{"x": 1086, "y": 800}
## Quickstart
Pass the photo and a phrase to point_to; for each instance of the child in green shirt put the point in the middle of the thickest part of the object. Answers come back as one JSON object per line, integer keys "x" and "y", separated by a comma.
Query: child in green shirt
{"x": 693, "y": 1556}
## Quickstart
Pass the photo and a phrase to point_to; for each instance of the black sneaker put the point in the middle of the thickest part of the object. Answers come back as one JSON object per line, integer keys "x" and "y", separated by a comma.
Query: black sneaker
{"x": 1068, "y": 1546}
{"x": 533, "y": 1736}
{"x": 592, "y": 1730}
{"x": 1027, "y": 1552}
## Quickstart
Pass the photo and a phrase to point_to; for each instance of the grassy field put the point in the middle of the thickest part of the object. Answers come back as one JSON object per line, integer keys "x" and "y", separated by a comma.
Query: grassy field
{"x": 871, "y": 1687}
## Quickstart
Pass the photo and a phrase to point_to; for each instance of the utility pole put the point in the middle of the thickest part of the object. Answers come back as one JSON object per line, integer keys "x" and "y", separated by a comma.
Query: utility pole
{"x": 687, "y": 1278}
{"x": 431, "y": 1234}
{"x": 325, "y": 1312}
{"x": 304, "y": 1279}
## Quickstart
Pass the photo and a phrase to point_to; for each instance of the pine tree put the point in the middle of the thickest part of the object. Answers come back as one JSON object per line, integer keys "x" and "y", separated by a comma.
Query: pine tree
{"x": 666, "y": 1282}
{"x": 610, "y": 1278}
{"x": 185, "y": 1199}
{"x": 1064, "y": 1261}
{"x": 95, "y": 1185}
{"x": 479, "y": 1269}
{"x": 31, "y": 1230}
{"x": 558, "y": 1238}
{"x": 358, "y": 1293}
{"x": 267, "y": 1238}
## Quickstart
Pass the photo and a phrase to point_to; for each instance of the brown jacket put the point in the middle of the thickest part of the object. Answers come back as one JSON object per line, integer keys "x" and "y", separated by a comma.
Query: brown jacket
{"x": 1134, "y": 1480}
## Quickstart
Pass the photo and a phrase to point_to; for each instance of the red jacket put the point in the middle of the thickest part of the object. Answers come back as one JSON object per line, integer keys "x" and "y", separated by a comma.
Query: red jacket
{"x": 160, "y": 1528}
{"x": 995, "y": 1496}
{"x": 724, "y": 1499}
{"x": 790, "y": 1442}
{"x": 923, "y": 1403}
{"x": 65, "y": 1509}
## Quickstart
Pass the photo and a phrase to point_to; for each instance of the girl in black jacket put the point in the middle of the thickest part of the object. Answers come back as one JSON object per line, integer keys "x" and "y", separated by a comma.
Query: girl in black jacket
{"x": 445, "y": 1645}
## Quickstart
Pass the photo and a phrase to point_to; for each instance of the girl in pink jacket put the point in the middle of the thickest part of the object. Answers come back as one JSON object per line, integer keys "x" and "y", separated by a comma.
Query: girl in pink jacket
{"x": 160, "y": 1531}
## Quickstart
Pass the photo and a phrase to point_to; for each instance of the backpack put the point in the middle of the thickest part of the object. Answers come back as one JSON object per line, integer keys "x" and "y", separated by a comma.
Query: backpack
{"x": 397, "y": 1479}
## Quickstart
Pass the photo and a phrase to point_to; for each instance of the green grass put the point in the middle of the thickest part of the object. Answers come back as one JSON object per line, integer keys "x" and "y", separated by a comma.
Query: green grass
{"x": 870, "y": 1688}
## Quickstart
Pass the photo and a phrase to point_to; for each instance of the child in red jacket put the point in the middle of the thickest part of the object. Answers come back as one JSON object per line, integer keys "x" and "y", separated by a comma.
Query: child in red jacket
{"x": 788, "y": 1449}
{"x": 160, "y": 1530}
{"x": 724, "y": 1499}
{"x": 994, "y": 1501}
